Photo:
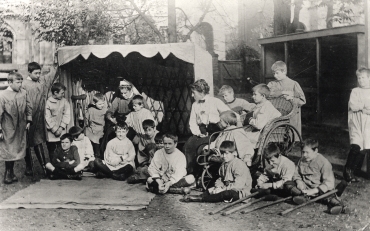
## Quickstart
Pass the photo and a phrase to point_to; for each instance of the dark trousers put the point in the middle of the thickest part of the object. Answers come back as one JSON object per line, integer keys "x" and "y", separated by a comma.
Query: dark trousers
{"x": 96, "y": 148}
{"x": 63, "y": 173}
{"x": 51, "y": 146}
{"x": 221, "y": 196}
{"x": 100, "y": 166}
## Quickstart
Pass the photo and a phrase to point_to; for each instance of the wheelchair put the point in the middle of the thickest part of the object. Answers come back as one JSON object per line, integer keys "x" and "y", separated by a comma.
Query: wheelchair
{"x": 278, "y": 130}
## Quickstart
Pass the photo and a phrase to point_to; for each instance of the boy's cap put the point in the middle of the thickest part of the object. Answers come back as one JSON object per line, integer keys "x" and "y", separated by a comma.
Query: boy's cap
{"x": 75, "y": 130}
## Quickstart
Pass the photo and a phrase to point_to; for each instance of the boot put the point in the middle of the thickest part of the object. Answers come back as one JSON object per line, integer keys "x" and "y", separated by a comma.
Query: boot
{"x": 182, "y": 190}
{"x": 28, "y": 159}
{"x": 39, "y": 151}
{"x": 351, "y": 164}
{"x": 11, "y": 170}
{"x": 8, "y": 176}
{"x": 336, "y": 206}
{"x": 193, "y": 198}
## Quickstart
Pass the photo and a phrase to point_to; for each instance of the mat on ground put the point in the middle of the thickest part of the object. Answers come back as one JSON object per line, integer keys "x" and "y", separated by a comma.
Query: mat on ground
{"x": 89, "y": 193}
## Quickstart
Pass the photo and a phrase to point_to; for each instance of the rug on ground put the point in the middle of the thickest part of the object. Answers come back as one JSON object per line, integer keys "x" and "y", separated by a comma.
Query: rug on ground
{"x": 89, "y": 193}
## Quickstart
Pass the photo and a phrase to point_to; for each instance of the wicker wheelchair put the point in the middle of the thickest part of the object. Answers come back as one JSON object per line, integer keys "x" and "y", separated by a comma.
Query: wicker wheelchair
{"x": 278, "y": 130}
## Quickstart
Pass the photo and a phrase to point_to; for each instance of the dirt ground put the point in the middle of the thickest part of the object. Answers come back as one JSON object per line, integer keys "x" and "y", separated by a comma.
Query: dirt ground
{"x": 168, "y": 213}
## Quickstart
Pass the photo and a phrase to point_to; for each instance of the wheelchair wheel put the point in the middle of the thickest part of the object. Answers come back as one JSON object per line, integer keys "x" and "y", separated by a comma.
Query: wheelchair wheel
{"x": 206, "y": 179}
{"x": 192, "y": 148}
{"x": 286, "y": 137}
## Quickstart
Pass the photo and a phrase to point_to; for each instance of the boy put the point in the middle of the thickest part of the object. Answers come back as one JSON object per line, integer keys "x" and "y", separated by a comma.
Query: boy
{"x": 83, "y": 144}
{"x": 15, "y": 119}
{"x": 66, "y": 161}
{"x": 279, "y": 171}
{"x": 119, "y": 156}
{"x": 235, "y": 180}
{"x": 262, "y": 113}
{"x": 313, "y": 176}
{"x": 244, "y": 148}
{"x": 95, "y": 122}
{"x": 358, "y": 124}
{"x": 168, "y": 169}
{"x": 150, "y": 133}
{"x": 238, "y": 105}
{"x": 289, "y": 89}
{"x": 57, "y": 117}
{"x": 37, "y": 88}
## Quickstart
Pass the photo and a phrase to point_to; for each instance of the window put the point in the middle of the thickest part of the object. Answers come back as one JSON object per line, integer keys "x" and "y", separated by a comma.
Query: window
{"x": 6, "y": 45}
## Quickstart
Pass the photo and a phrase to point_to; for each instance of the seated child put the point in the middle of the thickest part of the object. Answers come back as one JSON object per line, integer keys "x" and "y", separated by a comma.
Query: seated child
{"x": 244, "y": 148}
{"x": 119, "y": 156}
{"x": 279, "y": 170}
{"x": 66, "y": 161}
{"x": 240, "y": 106}
{"x": 141, "y": 173}
{"x": 96, "y": 122}
{"x": 167, "y": 169}
{"x": 136, "y": 118}
{"x": 313, "y": 176}
{"x": 235, "y": 180}
{"x": 147, "y": 138}
{"x": 290, "y": 89}
{"x": 83, "y": 144}
{"x": 262, "y": 113}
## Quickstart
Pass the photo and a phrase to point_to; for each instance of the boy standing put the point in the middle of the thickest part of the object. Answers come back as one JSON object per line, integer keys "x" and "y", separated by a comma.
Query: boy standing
{"x": 15, "y": 119}
{"x": 235, "y": 180}
{"x": 240, "y": 106}
{"x": 289, "y": 89}
{"x": 168, "y": 169}
{"x": 313, "y": 176}
{"x": 279, "y": 170}
{"x": 119, "y": 156}
{"x": 37, "y": 88}
{"x": 57, "y": 117}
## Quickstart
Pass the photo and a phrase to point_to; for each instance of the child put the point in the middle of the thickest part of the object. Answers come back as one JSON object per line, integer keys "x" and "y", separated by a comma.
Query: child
{"x": 313, "y": 176}
{"x": 244, "y": 147}
{"x": 205, "y": 111}
{"x": 289, "y": 89}
{"x": 279, "y": 171}
{"x": 135, "y": 118}
{"x": 37, "y": 88}
{"x": 119, "y": 156}
{"x": 168, "y": 169}
{"x": 262, "y": 113}
{"x": 238, "y": 105}
{"x": 235, "y": 180}
{"x": 15, "y": 119}
{"x": 83, "y": 144}
{"x": 66, "y": 161}
{"x": 95, "y": 122}
{"x": 57, "y": 116}
{"x": 150, "y": 133}
{"x": 358, "y": 124}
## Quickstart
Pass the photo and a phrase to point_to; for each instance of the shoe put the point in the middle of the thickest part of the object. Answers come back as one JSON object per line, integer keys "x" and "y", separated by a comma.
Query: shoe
{"x": 192, "y": 198}
{"x": 77, "y": 176}
{"x": 14, "y": 177}
{"x": 300, "y": 199}
{"x": 135, "y": 179}
{"x": 182, "y": 190}
{"x": 120, "y": 177}
{"x": 349, "y": 176}
{"x": 100, "y": 175}
{"x": 8, "y": 177}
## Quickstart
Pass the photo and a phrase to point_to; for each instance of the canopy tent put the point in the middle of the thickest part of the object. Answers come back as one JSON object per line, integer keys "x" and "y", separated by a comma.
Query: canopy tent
{"x": 162, "y": 72}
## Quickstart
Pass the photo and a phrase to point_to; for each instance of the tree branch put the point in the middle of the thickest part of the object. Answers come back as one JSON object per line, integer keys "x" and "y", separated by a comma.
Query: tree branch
{"x": 186, "y": 17}
{"x": 187, "y": 36}
{"x": 150, "y": 23}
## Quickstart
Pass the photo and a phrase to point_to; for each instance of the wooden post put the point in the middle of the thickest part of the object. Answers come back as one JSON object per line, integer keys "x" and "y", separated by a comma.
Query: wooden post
{"x": 318, "y": 69}
{"x": 361, "y": 50}
{"x": 367, "y": 32}
{"x": 172, "y": 21}
{"x": 263, "y": 64}
{"x": 286, "y": 56}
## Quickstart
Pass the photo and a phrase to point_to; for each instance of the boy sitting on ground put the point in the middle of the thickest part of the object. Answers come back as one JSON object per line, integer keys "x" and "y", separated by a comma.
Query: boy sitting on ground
{"x": 66, "y": 161}
{"x": 85, "y": 149}
{"x": 313, "y": 176}
{"x": 279, "y": 170}
{"x": 168, "y": 169}
{"x": 148, "y": 138}
{"x": 119, "y": 156}
{"x": 235, "y": 180}
{"x": 262, "y": 113}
